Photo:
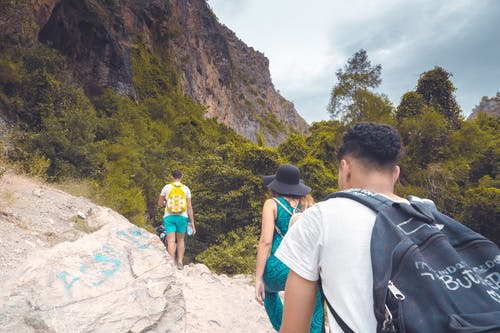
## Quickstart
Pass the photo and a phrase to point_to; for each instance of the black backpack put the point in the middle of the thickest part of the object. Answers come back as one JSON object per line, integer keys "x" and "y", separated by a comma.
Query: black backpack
{"x": 430, "y": 273}
{"x": 160, "y": 231}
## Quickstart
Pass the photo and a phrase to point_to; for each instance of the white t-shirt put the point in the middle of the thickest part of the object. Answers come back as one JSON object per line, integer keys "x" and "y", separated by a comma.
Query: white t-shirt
{"x": 333, "y": 237}
{"x": 166, "y": 190}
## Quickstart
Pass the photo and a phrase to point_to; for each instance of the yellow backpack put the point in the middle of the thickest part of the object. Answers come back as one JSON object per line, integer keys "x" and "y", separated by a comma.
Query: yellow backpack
{"x": 176, "y": 200}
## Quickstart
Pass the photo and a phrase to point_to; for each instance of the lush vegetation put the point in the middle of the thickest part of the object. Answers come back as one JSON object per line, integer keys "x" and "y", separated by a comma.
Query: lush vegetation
{"x": 125, "y": 150}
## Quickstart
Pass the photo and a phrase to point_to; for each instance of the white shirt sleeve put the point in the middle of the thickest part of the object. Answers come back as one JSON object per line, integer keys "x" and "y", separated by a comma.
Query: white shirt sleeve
{"x": 165, "y": 190}
{"x": 301, "y": 246}
{"x": 187, "y": 191}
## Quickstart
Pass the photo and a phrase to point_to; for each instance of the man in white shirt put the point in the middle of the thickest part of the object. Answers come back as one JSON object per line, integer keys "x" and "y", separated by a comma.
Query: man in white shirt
{"x": 176, "y": 221}
{"x": 332, "y": 238}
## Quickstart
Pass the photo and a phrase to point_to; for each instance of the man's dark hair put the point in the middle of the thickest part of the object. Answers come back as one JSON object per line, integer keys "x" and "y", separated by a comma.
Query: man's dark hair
{"x": 376, "y": 144}
{"x": 177, "y": 174}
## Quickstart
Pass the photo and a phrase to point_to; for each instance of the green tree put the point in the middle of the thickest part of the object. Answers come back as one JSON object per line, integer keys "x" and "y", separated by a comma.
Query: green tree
{"x": 482, "y": 211}
{"x": 358, "y": 74}
{"x": 424, "y": 138}
{"x": 323, "y": 141}
{"x": 368, "y": 106}
{"x": 437, "y": 90}
{"x": 318, "y": 177}
{"x": 410, "y": 106}
{"x": 234, "y": 253}
{"x": 294, "y": 149}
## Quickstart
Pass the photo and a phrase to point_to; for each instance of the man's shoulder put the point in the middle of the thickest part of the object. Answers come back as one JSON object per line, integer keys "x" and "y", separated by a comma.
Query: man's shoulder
{"x": 337, "y": 201}
{"x": 338, "y": 206}
{"x": 166, "y": 187}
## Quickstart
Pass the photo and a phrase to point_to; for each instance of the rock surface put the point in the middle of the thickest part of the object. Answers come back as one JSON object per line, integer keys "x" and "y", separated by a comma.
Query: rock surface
{"x": 490, "y": 106}
{"x": 219, "y": 304}
{"x": 68, "y": 265}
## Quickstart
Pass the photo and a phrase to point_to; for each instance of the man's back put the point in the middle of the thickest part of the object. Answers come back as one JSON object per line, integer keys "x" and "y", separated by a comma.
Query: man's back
{"x": 333, "y": 237}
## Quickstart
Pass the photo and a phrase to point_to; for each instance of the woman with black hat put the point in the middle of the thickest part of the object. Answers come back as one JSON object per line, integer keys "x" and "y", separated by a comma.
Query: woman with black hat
{"x": 270, "y": 272}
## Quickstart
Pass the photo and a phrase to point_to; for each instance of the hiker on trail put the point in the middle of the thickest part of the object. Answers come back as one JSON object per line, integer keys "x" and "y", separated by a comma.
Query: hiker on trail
{"x": 270, "y": 272}
{"x": 176, "y": 197}
{"x": 333, "y": 237}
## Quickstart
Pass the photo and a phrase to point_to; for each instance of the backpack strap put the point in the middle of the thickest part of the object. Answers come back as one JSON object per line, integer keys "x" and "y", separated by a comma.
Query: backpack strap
{"x": 284, "y": 207}
{"x": 286, "y": 210}
{"x": 345, "y": 328}
{"x": 371, "y": 200}
{"x": 421, "y": 208}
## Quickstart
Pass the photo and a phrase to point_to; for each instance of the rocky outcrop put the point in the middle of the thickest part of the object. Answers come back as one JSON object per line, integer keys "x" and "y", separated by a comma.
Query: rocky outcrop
{"x": 216, "y": 68}
{"x": 490, "y": 106}
{"x": 68, "y": 265}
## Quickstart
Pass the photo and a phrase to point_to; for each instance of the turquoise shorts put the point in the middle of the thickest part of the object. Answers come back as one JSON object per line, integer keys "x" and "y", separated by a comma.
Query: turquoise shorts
{"x": 175, "y": 223}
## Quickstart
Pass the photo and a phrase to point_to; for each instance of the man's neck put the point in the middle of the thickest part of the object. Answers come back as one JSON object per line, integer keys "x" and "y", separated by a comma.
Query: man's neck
{"x": 376, "y": 183}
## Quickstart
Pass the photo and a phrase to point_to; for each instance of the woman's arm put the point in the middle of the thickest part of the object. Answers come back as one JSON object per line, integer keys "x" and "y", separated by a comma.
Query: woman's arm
{"x": 269, "y": 213}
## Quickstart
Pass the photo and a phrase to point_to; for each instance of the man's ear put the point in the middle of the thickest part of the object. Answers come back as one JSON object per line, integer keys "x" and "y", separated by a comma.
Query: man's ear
{"x": 395, "y": 174}
{"x": 344, "y": 172}
{"x": 344, "y": 165}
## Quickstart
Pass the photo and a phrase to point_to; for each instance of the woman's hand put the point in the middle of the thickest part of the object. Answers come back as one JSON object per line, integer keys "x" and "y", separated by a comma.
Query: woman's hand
{"x": 259, "y": 291}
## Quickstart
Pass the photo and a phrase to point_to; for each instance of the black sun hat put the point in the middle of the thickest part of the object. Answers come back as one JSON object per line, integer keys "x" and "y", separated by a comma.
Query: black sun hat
{"x": 287, "y": 181}
{"x": 266, "y": 180}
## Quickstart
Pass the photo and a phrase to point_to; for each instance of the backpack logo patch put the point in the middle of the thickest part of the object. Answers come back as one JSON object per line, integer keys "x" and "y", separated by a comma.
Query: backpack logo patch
{"x": 176, "y": 200}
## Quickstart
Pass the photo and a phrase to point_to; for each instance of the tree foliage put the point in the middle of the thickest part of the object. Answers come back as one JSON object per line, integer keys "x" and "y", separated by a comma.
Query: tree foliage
{"x": 411, "y": 105}
{"x": 358, "y": 74}
{"x": 438, "y": 91}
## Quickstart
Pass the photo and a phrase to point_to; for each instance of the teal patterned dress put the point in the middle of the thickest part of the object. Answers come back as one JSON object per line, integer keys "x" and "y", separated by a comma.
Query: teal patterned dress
{"x": 276, "y": 272}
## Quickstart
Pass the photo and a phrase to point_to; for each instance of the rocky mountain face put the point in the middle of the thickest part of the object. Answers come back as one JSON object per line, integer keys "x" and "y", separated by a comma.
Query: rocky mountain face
{"x": 230, "y": 78}
{"x": 68, "y": 265}
{"x": 490, "y": 106}
{"x": 215, "y": 68}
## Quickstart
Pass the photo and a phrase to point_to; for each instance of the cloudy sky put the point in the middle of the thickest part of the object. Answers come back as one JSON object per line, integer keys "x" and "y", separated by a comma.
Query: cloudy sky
{"x": 307, "y": 41}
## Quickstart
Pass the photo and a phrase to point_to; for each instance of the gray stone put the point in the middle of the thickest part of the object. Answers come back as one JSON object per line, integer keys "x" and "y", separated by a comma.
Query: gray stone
{"x": 117, "y": 279}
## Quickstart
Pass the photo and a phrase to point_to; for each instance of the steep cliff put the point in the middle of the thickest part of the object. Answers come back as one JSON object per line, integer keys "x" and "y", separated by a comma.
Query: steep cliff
{"x": 213, "y": 66}
{"x": 227, "y": 76}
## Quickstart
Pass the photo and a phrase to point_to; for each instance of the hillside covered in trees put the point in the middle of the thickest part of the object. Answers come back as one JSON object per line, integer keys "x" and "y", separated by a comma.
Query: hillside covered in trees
{"x": 120, "y": 151}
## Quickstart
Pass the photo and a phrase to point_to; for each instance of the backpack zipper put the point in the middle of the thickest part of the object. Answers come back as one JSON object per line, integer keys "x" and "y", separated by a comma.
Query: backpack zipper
{"x": 395, "y": 291}
{"x": 388, "y": 324}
